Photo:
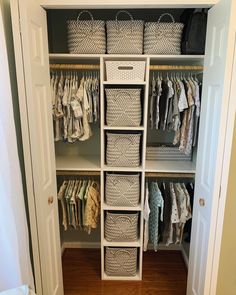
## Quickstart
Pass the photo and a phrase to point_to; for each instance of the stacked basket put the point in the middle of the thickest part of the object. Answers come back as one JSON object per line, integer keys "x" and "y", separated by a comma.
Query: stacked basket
{"x": 123, "y": 111}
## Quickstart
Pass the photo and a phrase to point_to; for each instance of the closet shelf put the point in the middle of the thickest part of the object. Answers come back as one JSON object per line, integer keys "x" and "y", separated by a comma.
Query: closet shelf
{"x": 124, "y": 169}
{"x": 170, "y": 166}
{"x": 122, "y": 244}
{"x": 77, "y": 173}
{"x": 119, "y": 208}
{"x": 123, "y": 128}
{"x": 124, "y": 82}
{"x": 68, "y": 56}
{"x": 118, "y": 278}
{"x": 78, "y": 163}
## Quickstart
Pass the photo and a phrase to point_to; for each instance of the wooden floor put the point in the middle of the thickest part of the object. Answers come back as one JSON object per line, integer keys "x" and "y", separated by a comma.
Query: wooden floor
{"x": 164, "y": 273}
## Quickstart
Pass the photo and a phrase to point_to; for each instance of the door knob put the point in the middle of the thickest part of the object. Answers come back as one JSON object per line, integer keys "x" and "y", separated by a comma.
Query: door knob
{"x": 201, "y": 202}
{"x": 50, "y": 200}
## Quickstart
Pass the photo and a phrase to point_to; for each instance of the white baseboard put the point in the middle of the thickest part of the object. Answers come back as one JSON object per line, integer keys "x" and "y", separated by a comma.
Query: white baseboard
{"x": 185, "y": 257}
{"x": 163, "y": 247}
{"x": 89, "y": 245}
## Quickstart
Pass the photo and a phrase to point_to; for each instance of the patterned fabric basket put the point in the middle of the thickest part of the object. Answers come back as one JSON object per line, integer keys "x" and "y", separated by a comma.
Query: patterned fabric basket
{"x": 121, "y": 261}
{"x": 121, "y": 227}
{"x": 123, "y": 150}
{"x": 166, "y": 153}
{"x": 125, "y": 70}
{"x": 122, "y": 189}
{"x": 86, "y": 36}
{"x": 123, "y": 107}
{"x": 125, "y": 36}
{"x": 162, "y": 37}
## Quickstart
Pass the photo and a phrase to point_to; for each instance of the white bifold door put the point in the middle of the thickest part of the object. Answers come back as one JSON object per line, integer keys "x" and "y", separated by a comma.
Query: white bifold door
{"x": 216, "y": 84}
{"x": 215, "y": 98}
{"x": 34, "y": 40}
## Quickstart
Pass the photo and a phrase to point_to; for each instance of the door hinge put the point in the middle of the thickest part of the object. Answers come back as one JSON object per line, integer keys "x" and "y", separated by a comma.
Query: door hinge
{"x": 220, "y": 192}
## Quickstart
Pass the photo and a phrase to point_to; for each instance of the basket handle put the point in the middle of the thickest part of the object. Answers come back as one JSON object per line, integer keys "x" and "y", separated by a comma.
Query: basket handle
{"x": 120, "y": 252}
{"x": 124, "y": 11}
{"x": 85, "y": 11}
{"x": 131, "y": 18}
{"x": 122, "y": 92}
{"x": 168, "y": 14}
{"x": 121, "y": 217}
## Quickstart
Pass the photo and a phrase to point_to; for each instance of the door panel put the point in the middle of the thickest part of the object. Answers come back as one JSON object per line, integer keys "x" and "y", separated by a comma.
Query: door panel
{"x": 37, "y": 83}
{"x": 216, "y": 85}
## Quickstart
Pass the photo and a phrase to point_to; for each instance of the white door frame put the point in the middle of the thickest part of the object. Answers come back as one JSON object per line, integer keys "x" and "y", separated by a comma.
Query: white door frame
{"x": 231, "y": 117}
{"x": 27, "y": 152}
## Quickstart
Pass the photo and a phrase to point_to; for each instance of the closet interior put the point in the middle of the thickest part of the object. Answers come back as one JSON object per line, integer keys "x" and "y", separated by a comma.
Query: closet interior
{"x": 124, "y": 156}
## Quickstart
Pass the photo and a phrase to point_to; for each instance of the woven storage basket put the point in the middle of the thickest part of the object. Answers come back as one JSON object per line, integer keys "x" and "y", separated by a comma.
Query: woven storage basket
{"x": 122, "y": 189}
{"x": 121, "y": 261}
{"x": 86, "y": 36}
{"x": 166, "y": 153}
{"x": 123, "y": 107}
{"x": 163, "y": 37}
{"x": 123, "y": 150}
{"x": 125, "y": 36}
{"x": 121, "y": 227}
{"x": 125, "y": 70}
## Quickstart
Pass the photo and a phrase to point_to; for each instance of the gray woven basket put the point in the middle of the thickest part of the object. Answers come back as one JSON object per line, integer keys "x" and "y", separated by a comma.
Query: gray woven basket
{"x": 125, "y": 36}
{"x": 122, "y": 189}
{"x": 121, "y": 227}
{"x": 125, "y": 70}
{"x": 86, "y": 36}
{"x": 121, "y": 261}
{"x": 123, "y": 150}
{"x": 163, "y": 37}
{"x": 123, "y": 107}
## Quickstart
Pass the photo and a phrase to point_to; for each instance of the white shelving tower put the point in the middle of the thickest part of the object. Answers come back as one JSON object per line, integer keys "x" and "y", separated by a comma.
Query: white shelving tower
{"x": 140, "y": 169}
{"x": 81, "y": 163}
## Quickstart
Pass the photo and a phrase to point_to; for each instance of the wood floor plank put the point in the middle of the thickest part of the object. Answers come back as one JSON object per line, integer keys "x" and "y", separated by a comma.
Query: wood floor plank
{"x": 164, "y": 273}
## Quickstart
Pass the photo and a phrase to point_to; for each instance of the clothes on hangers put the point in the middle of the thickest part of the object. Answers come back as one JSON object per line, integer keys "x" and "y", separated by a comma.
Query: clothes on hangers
{"x": 75, "y": 106}
{"x": 170, "y": 209}
{"x": 175, "y": 106}
{"x": 146, "y": 213}
{"x": 80, "y": 203}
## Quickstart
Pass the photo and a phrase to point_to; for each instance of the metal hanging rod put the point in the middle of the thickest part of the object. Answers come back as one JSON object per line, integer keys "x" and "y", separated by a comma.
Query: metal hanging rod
{"x": 170, "y": 175}
{"x": 74, "y": 66}
{"x": 175, "y": 67}
{"x": 77, "y": 173}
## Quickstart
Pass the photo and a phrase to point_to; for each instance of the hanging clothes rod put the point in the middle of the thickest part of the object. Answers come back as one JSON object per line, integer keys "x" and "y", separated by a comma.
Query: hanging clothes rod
{"x": 74, "y": 67}
{"x": 170, "y": 175}
{"x": 175, "y": 68}
{"x": 77, "y": 173}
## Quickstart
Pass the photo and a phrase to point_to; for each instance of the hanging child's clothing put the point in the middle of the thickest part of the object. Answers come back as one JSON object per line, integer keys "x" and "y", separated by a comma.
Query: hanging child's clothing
{"x": 75, "y": 105}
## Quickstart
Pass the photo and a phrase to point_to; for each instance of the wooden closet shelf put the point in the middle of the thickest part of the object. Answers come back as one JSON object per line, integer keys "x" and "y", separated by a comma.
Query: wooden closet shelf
{"x": 175, "y": 68}
{"x": 77, "y": 173}
{"x": 171, "y": 175}
{"x": 74, "y": 66}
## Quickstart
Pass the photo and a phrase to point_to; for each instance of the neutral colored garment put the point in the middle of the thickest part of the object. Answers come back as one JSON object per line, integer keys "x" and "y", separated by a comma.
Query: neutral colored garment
{"x": 156, "y": 203}
{"x": 146, "y": 213}
{"x": 80, "y": 204}
{"x": 75, "y": 106}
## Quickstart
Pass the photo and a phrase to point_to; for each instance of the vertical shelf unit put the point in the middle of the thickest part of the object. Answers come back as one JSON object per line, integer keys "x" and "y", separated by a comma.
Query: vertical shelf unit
{"x": 141, "y": 169}
{"x": 79, "y": 164}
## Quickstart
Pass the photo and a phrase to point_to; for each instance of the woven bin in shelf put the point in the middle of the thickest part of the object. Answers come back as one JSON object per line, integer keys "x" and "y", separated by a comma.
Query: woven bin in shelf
{"x": 122, "y": 189}
{"x": 123, "y": 150}
{"x": 125, "y": 70}
{"x": 121, "y": 227}
{"x": 121, "y": 261}
{"x": 123, "y": 107}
